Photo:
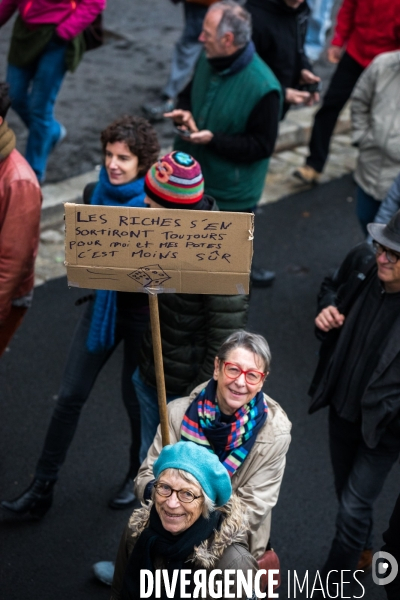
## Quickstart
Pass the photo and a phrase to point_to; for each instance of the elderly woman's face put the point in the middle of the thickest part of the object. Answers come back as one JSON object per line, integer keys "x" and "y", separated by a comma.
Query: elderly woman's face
{"x": 121, "y": 165}
{"x": 234, "y": 392}
{"x": 177, "y": 516}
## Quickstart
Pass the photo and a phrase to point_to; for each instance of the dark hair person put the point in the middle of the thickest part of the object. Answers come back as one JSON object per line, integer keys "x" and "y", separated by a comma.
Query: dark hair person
{"x": 193, "y": 522}
{"x": 248, "y": 431}
{"x": 130, "y": 146}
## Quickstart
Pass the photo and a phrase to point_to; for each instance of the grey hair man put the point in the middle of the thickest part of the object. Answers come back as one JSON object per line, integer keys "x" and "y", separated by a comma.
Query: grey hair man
{"x": 358, "y": 377}
{"x": 221, "y": 113}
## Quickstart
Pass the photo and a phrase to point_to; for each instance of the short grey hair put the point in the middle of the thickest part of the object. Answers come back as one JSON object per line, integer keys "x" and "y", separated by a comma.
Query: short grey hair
{"x": 209, "y": 505}
{"x": 235, "y": 19}
{"x": 250, "y": 341}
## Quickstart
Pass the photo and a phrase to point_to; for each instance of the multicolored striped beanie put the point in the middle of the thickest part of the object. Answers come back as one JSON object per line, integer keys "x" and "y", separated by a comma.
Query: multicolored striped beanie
{"x": 175, "y": 181}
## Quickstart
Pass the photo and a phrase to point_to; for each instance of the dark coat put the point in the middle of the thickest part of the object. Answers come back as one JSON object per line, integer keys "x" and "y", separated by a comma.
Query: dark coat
{"x": 380, "y": 403}
{"x": 391, "y": 538}
{"x": 278, "y": 34}
{"x": 193, "y": 327}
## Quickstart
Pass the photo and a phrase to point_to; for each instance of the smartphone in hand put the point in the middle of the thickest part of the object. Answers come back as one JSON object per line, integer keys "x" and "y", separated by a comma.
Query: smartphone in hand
{"x": 182, "y": 132}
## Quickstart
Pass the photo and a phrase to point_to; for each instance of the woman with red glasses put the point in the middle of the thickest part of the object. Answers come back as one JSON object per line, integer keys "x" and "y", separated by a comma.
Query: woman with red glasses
{"x": 247, "y": 430}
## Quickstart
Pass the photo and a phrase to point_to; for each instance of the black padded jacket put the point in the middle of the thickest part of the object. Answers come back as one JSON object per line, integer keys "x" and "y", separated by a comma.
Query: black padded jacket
{"x": 193, "y": 326}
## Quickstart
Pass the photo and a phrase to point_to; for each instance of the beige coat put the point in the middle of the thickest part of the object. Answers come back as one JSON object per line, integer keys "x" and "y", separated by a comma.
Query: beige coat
{"x": 226, "y": 549}
{"x": 375, "y": 118}
{"x": 257, "y": 482}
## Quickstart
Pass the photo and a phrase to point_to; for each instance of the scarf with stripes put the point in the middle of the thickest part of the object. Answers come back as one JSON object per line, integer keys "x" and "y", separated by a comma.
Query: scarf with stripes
{"x": 231, "y": 437}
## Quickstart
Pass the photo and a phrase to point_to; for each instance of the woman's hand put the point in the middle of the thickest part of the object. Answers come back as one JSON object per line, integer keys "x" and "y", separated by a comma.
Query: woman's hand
{"x": 329, "y": 318}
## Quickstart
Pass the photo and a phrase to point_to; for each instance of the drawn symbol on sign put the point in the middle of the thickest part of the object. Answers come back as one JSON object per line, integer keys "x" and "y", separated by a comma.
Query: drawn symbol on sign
{"x": 152, "y": 275}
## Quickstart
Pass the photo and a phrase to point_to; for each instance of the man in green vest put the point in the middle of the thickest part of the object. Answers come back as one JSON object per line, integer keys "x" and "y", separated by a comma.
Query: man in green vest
{"x": 228, "y": 115}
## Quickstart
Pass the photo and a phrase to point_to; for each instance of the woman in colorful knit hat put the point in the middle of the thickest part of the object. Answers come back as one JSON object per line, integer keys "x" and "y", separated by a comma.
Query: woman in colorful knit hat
{"x": 245, "y": 428}
{"x": 130, "y": 147}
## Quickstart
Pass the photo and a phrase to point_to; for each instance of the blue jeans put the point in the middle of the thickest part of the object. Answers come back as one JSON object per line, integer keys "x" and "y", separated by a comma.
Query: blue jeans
{"x": 359, "y": 474}
{"x": 187, "y": 50}
{"x": 81, "y": 371}
{"x": 367, "y": 207}
{"x": 149, "y": 415}
{"x": 33, "y": 92}
{"x": 318, "y": 25}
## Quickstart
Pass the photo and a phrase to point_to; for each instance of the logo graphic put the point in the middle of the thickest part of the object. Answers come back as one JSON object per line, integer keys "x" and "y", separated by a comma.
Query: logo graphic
{"x": 381, "y": 573}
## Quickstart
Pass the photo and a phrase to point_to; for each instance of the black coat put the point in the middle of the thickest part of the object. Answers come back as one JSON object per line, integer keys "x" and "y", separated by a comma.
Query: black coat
{"x": 278, "y": 34}
{"x": 392, "y": 545}
{"x": 380, "y": 403}
{"x": 193, "y": 327}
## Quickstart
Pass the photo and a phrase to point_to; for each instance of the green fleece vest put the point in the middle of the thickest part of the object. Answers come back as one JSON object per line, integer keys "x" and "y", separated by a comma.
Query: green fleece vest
{"x": 223, "y": 103}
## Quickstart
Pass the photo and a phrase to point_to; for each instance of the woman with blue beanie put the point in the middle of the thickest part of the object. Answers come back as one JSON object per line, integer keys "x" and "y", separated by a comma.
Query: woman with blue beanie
{"x": 193, "y": 523}
{"x": 130, "y": 147}
{"x": 246, "y": 429}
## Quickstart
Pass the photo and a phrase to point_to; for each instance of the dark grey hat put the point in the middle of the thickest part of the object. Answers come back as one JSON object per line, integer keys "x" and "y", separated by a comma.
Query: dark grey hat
{"x": 387, "y": 235}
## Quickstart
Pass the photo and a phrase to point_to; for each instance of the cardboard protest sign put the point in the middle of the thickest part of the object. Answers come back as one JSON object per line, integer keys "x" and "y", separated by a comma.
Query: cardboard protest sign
{"x": 164, "y": 250}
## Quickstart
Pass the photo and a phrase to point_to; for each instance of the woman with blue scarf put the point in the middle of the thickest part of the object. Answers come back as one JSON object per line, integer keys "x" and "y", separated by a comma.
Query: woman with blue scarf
{"x": 130, "y": 147}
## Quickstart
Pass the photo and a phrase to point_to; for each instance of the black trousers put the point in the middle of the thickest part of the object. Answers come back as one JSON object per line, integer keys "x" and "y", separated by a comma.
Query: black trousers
{"x": 80, "y": 374}
{"x": 339, "y": 91}
{"x": 360, "y": 473}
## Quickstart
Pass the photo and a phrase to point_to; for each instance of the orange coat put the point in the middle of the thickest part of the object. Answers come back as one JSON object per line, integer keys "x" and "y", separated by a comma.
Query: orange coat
{"x": 20, "y": 206}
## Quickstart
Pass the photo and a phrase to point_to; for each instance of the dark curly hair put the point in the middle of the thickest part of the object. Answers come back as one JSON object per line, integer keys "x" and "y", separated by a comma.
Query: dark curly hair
{"x": 138, "y": 135}
{"x": 5, "y": 101}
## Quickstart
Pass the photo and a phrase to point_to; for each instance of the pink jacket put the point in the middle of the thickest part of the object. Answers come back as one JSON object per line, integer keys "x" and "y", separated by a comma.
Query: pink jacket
{"x": 20, "y": 207}
{"x": 70, "y": 16}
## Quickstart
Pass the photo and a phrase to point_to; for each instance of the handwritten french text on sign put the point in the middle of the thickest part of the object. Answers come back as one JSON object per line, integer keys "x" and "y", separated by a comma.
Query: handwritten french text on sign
{"x": 159, "y": 250}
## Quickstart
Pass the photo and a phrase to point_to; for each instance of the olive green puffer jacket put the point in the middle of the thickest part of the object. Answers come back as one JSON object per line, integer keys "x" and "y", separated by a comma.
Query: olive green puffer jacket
{"x": 193, "y": 326}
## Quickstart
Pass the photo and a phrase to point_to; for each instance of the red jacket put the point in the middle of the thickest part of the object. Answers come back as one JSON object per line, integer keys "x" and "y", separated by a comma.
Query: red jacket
{"x": 20, "y": 206}
{"x": 367, "y": 28}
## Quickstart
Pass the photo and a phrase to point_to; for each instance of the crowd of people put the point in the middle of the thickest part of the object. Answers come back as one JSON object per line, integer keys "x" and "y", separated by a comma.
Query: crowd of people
{"x": 207, "y": 498}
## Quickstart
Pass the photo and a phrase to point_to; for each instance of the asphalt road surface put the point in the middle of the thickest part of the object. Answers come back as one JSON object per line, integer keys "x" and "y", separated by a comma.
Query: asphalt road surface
{"x": 302, "y": 237}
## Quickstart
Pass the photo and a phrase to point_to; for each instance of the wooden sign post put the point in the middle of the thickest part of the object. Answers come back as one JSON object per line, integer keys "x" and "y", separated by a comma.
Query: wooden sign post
{"x": 158, "y": 251}
{"x": 159, "y": 368}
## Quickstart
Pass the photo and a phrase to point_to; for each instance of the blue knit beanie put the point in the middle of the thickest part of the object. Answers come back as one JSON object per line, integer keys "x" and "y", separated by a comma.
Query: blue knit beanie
{"x": 202, "y": 464}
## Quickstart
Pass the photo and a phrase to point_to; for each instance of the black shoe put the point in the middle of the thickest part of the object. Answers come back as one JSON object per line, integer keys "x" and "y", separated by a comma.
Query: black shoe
{"x": 261, "y": 277}
{"x": 125, "y": 496}
{"x": 35, "y": 501}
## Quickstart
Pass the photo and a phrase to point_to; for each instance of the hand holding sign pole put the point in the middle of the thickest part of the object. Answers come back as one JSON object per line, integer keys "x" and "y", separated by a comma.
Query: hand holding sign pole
{"x": 158, "y": 251}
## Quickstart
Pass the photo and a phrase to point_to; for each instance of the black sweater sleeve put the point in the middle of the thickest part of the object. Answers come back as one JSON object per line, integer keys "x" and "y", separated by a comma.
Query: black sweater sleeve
{"x": 184, "y": 98}
{"x": 258, "y": 140}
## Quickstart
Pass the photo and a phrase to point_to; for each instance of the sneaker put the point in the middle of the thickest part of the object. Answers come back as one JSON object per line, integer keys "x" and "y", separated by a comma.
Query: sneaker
{"x": 307, "y": 174}
{"x": 104, "y": 571}
{"x": 154, "y": 111}
{"x": 61, "y": 137}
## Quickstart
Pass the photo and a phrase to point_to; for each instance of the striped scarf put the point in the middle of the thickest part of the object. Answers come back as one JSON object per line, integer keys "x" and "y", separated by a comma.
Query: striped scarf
{"x": 230, "y": 437}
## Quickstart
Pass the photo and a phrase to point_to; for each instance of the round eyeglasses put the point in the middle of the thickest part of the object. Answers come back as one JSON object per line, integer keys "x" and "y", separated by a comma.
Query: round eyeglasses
{"x": 166, "y": 491}
{"x": 391, "y": 256}
{"x": 233, "y": 371}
